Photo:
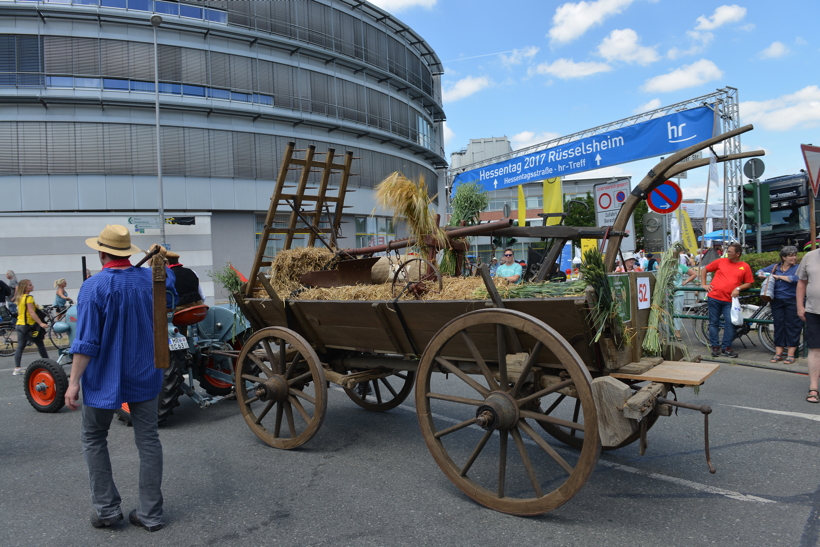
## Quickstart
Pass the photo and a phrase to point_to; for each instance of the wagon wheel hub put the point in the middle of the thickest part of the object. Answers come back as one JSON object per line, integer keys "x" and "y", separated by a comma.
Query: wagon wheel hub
{"x": 499, "y": 411}
{"x": 275, "y": 388}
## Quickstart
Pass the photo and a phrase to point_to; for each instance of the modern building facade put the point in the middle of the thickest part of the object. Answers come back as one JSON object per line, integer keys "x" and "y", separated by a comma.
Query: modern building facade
{"x": 237, "y": 79}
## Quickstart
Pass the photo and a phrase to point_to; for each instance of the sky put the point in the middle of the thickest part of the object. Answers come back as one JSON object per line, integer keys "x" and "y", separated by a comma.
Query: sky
{"x": 533, "y": 70}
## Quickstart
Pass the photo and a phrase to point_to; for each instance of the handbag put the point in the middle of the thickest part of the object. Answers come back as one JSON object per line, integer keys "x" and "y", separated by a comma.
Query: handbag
{"x": 767, "y": 288}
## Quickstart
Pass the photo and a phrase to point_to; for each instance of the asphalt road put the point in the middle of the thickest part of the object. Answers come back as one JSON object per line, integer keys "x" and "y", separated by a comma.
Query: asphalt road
{"x": 368, "y": 479}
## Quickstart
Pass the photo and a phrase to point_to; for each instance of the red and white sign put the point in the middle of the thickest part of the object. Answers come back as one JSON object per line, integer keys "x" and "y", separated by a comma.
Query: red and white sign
{"x": 644, "y": 294}
{"x": 608, "y": 205}
{"x": 811, "y": 155}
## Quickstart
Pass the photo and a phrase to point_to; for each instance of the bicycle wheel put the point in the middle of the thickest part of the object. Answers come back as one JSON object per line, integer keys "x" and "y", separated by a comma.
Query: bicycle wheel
{"x": 765, "y": 331}
{"x": 701, "y": 326}
{"x": 8, "y": 340}
{"x": 58, "y": 339}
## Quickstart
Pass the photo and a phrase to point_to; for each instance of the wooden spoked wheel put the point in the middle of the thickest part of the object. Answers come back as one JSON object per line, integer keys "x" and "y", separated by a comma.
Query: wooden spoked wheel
{"x": 468, "y": 420}
{"x": 568, "y": 408}
{"x": 383, "y": 393}
{"x": 280, "y": 387}
{"x": 416, "y": 268}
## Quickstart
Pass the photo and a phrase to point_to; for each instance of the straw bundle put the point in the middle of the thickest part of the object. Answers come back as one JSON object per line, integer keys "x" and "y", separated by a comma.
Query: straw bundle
{"x": 290, "y": 264}
{"x": 409, "y": 202}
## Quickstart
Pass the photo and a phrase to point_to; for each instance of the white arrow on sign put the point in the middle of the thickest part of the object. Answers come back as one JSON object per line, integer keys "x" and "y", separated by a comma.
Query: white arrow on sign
{"x": 495, "y": 183}
{"x": 598, "y": 159}
{"x": 811, "y": 155}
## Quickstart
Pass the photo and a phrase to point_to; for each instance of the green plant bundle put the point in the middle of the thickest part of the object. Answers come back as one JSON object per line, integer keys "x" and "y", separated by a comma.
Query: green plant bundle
{"x": 537, "y": 290}
{"x": 469, "y": 200}
{"x": 660, "y": 326}
{"x": 605, "y": 310}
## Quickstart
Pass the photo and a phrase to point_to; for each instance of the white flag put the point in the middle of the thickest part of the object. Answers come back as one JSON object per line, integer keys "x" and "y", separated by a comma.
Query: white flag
{"x": 713, "y": 171}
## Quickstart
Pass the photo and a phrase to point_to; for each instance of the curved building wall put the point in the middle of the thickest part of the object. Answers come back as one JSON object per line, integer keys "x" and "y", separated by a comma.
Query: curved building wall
{"x": 237, "y": 81}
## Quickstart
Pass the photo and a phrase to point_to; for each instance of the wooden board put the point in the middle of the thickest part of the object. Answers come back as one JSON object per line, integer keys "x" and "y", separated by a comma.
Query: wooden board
{"x": 674, "y": 372}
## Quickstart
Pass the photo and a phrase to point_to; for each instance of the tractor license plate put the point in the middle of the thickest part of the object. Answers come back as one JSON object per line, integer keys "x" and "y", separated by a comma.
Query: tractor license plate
{"x": 177, "y": 343}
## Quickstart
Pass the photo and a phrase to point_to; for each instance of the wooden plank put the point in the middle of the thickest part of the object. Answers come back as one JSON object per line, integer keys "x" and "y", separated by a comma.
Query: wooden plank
{"x": 320, "y": 196}
{"x": 641, "y": 366}
{"x": 643, "y": 402}
{"x": 610, "y": 395}
{"x": 278, "y": 305}
{"x": 313, "y": 338}
{"x": 674, "y": 372}
{"x": 300, "y": 192}
{"x": 388, "y": 328}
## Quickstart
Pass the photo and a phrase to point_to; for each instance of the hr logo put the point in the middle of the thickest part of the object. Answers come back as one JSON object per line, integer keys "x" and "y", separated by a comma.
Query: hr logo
{"x": 676, "y": 132}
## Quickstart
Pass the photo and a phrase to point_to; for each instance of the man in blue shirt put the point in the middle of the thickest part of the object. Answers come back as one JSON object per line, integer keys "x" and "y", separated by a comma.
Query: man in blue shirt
{"x": 510, "y": 269}
{"x": 113, "y": 353}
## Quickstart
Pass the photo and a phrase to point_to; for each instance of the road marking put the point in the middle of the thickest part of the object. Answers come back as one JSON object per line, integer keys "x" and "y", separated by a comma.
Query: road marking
{"x": 813, "y": 417}
{"x": 627, "y": 469}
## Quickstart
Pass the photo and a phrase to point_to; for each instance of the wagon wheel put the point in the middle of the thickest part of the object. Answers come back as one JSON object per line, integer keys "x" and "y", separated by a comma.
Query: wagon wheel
{"x": 467, "y": 421}
{"x": 384, "y": 393}
{"x": 417, "y": 288}
{"x": 45, "y": 385}
{"x": 283, "y": 382}
{"x": 565, "y": 407}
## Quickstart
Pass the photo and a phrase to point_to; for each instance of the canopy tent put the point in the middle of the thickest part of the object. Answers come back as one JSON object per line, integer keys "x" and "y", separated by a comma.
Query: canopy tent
{"x": 695, "y": 210}
{"x": 717, "y": 235}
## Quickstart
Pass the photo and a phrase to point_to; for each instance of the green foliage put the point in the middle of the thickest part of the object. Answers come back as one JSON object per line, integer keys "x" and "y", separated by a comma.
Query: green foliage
{"x": 228, "y": 279}
{"x": 760, "y": 260}
{"x": 468, "y": 202}
{"x": 577, "y": 216}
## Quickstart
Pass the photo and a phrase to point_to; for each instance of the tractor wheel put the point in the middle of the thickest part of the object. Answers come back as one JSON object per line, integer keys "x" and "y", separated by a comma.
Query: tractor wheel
{"x": 45, "y": 384}
{"x": 168, "y": 398}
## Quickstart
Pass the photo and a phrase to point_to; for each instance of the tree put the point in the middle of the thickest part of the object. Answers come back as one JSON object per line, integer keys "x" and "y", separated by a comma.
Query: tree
{"x": 578, "y": 216}
{"x": 637, "y": 217}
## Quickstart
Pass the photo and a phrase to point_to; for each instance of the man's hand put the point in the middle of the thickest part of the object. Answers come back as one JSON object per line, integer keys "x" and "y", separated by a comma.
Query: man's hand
{"x": 707, "y": 287}
{"x": 157, "y": 246}
{"x": 736, "y": 292}
{"x": 801, "y": 313}
{"x": 72, "y": 395}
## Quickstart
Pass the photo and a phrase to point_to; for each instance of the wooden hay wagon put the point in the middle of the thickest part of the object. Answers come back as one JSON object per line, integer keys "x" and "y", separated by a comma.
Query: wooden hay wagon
{"x": 518, "y": 374}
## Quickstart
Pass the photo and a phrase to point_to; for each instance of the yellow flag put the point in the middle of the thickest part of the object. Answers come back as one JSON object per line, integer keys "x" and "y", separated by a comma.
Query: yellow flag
{"x": 587, "y": 244}
{"x": 522, "y": 206}
{"x": 687, "y": 233}
{"x": 553, "y": 199}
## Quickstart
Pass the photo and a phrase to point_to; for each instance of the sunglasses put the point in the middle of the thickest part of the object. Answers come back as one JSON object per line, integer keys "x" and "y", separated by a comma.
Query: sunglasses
{"x": 508, "y": 255}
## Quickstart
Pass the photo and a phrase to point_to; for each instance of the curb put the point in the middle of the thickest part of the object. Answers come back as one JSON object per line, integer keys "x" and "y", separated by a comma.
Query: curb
{"x": 756, "y": 364}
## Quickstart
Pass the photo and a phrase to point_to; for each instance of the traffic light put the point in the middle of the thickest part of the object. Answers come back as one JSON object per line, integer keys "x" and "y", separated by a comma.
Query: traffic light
{"x": 756, "y": 211}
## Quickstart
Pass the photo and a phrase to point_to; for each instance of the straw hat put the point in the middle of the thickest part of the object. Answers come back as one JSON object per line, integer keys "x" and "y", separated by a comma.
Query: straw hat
{"x": 114, "y": 240}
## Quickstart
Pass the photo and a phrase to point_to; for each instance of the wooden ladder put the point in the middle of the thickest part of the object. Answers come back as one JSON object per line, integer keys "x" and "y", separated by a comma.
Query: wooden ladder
{"x": 323, "y": 203}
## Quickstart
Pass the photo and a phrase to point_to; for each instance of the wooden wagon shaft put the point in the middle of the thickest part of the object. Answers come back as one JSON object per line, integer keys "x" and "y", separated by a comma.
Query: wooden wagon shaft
{"x": 162, "y": 355}
{"x": 659, "y": 174}
{"x": 451, "y": 234}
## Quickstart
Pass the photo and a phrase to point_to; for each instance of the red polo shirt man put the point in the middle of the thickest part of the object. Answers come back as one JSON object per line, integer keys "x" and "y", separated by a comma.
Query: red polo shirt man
{"x": 731, "y": 275}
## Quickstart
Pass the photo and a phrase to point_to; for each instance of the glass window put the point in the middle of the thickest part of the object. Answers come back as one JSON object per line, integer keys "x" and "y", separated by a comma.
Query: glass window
{"x": 141, "y": 5}
{"x": 88, "y": 2}
{"x": 142, "y": 86}
{"x": 121, "y": 85}
{"x": 193, "y": 90}
{"x": 87, "y": 82}
{"x": 58, "y": 1}
{"x": 174, "y": 89}
{"x": 241, "y": 97}
{"x": 8, "y": 80}
{"x": 190, "y": 11}
{"x": 216, "y": 16}
{"x": 263, "y": 99}
{"x": 114, "y": 3}
{"x": 59, "y": 81}
{"x": 167, "y": 8}
{"x": 219, "y": 94}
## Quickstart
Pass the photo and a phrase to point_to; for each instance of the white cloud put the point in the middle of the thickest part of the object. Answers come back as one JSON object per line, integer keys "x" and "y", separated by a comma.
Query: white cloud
{"x": 700, "y": 41}
{"x": 800, "y": 41}
{"x": 721, "y": 16}
{"x": 400, "y": 5}
{"x": 787, "y": 112}
{"x": 464, "y": 88}
{"x": 567, "y": 69}
{"x": 693, "y": 75}
{"x": 530, "y": 138}
{"x": 622, "y": 45}
{"x": 448, "y": 134}
{"x": 646, "y": 107}
{"x": 572, "y": 20}
{"x": 518, "y": 55}
{"x": 777, "y": 49}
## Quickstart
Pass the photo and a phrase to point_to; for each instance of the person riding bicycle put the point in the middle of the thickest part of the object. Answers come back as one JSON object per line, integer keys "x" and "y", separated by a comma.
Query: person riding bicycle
{"x": 731, "y": 275}
{"x": 61, "y": 297}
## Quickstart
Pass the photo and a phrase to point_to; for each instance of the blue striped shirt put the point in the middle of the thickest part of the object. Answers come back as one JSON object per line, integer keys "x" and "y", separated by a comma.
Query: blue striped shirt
{"x": 115, "y": 329}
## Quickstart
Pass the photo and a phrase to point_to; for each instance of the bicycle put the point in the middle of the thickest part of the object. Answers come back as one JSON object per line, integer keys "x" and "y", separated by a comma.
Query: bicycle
{"x": 765, "y": 331}
{"x": 59, "y": 340}
{"x": 8, "y": 332}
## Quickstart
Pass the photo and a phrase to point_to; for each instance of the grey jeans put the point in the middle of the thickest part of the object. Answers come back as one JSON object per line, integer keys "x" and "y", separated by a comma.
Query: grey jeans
{"x": 104, "y": 495}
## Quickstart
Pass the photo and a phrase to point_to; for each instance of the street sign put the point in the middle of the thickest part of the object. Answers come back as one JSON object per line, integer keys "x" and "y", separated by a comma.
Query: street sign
{"x": 665, "y": 198}
{"x": 754, "y": 168}
{"x": 146, "y": 222}
{"x": 647, "y": 139}
{"x": 811, "y": 155}
{"x": 696, "y": 156}
{"x": 609, "y": 197}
